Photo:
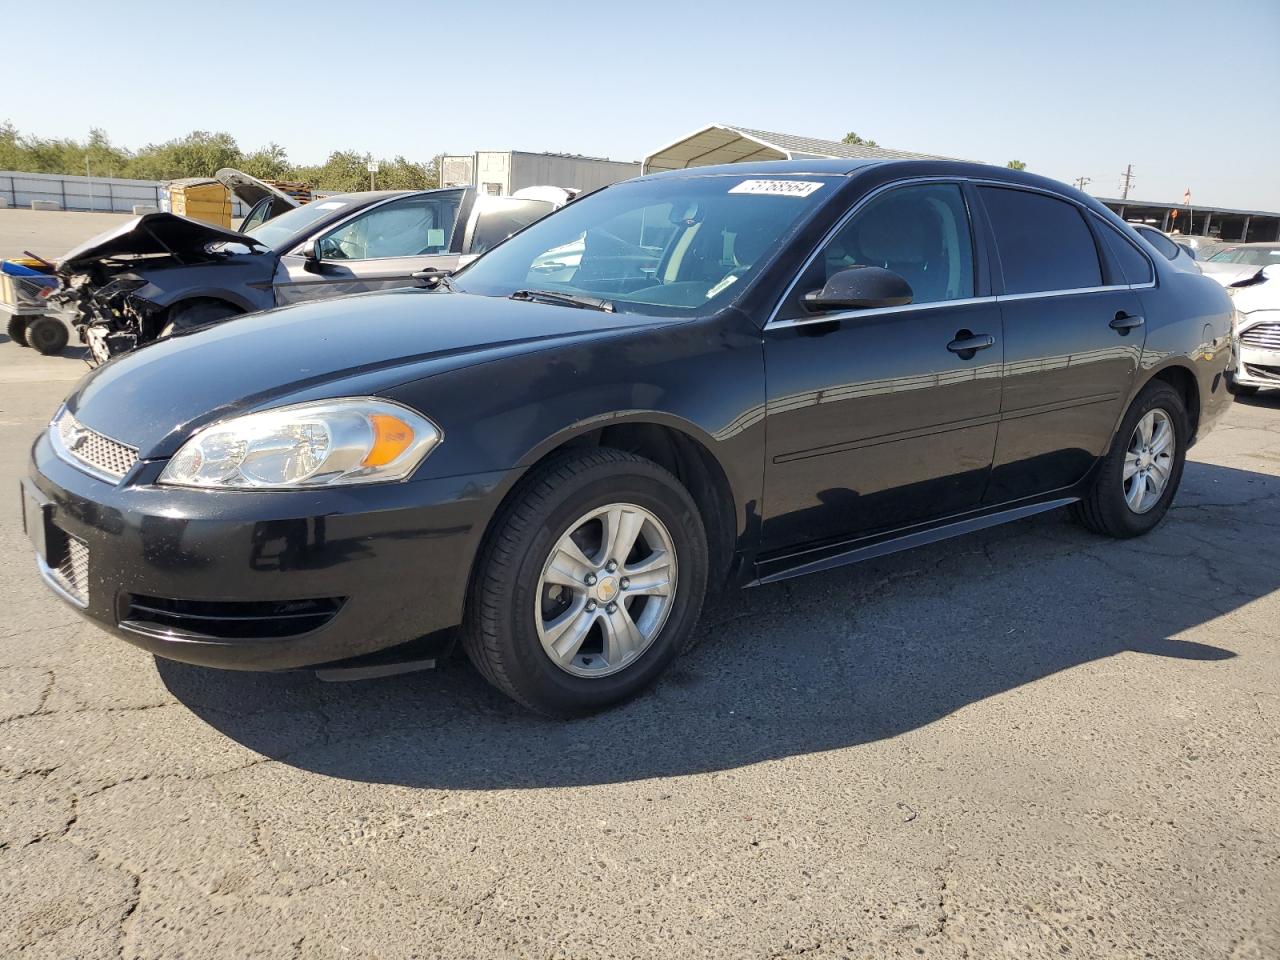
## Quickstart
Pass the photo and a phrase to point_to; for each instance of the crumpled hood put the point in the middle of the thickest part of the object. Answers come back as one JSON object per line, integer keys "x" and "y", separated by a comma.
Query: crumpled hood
{"x": 1228, "y": 273}
{"x": 148, "y": 235}
{"x": 155, "y": 397}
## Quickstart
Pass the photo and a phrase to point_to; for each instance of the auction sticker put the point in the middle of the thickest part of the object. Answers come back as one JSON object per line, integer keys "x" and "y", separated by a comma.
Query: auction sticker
{"x": 777, "y": 188}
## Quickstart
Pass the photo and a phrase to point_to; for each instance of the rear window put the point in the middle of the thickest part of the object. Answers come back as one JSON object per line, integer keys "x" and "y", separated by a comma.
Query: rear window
{"x": 1044, "y": 243}
{"x": 1167, "y": 248}
{"x": 1135, "y": 267}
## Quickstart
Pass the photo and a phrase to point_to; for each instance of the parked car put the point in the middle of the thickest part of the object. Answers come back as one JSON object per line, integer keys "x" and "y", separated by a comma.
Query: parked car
{"x": 1241, "y": 261}
{"x": 832, "y": 360}
{"x": 1181, "y": 258}
{"x": 1256, "y": 331}
{"x": 1200, "y": 248}
{"x": 159, "y": 273}
{"x": 263, "y": 200}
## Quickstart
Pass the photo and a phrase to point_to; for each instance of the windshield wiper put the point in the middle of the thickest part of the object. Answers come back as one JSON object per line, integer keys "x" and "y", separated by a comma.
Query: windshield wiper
{"x": 564, "y": 299}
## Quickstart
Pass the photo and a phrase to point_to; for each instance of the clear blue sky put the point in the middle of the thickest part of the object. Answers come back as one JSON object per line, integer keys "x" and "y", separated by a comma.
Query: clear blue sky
{"x": 1185, "y": 91}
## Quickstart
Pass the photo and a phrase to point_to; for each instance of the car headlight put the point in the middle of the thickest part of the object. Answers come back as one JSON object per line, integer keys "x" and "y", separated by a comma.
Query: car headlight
{"x": 317, "y": 444}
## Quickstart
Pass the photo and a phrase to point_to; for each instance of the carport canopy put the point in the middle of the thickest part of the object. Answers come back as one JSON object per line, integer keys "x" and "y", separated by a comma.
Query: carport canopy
{"x": 724, "y": 143}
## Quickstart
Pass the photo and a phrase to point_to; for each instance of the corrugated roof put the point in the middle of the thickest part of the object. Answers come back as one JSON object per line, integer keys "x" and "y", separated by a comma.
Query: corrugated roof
{"x": 725, "y": 143}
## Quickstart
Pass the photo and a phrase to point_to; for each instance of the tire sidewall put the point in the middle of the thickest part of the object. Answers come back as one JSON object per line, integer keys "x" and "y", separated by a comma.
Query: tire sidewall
{"x": 1154, "y": 396}
{"x": 540, "y": 678}
{"x": 46, "y": 335}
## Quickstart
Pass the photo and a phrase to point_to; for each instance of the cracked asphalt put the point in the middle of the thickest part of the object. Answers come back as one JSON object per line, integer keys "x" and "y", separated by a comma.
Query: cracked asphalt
{"x": 1029, "y": 743}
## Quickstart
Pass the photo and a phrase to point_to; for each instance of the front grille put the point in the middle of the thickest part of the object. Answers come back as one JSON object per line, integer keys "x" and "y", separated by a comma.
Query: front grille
{"x": 228, "y": 619}
{"x": 78, "y": 444}
{"x": 69, "y": 564}
{"x": 1262, "y": 373}
{"x": 1265, "y": 336}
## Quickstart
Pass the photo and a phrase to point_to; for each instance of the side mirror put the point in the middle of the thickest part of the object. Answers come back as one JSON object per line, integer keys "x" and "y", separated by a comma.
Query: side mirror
{"x": 311, "y": 261}
{"x": 860, "y": 287}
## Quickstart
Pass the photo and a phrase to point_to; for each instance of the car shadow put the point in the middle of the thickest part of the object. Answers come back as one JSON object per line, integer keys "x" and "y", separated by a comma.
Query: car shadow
{"x": 832, "y": 660}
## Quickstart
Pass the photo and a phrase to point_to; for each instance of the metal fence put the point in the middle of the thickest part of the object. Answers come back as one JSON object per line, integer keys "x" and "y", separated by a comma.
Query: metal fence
{"x": 101, "y": 194}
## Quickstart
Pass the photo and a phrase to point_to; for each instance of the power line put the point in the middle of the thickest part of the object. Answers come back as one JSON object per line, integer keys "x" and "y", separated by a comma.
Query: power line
{"x": 1081, "y": 181}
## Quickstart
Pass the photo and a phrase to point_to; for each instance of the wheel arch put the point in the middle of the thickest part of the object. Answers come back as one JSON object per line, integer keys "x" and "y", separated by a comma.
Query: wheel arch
{"x": 673, "y": 444}
{"x": 1183, "y": 379}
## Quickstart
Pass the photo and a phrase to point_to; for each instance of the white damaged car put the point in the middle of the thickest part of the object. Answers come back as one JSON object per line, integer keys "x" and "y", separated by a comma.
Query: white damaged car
{"x": 1256, "y": 331}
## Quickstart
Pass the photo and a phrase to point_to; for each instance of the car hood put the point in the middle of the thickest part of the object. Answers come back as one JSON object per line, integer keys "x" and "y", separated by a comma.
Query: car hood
{"x": 149, "y": 235}
{"x": 155, "y": 397}
{"x": 1228, "y": 273}
{"x": 249, "y": 190}
{"x": 1263, "y": 294}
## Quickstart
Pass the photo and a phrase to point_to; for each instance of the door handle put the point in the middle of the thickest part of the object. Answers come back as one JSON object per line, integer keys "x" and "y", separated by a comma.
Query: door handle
{"x": 1124, "y": 322}
{"x": 966, "y": 344}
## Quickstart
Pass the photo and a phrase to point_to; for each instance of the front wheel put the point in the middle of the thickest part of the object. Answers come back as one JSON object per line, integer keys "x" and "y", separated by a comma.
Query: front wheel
{"x": 1138, "y": 478}
{"x": 589, "y": 584}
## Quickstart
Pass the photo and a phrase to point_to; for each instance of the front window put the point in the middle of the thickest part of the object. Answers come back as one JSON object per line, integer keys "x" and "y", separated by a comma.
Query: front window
{"x": 659, "y": 246}
{"x": 414, "y": 226}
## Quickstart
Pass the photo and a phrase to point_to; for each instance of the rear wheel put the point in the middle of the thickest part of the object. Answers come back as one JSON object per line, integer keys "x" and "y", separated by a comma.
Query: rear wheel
{"x": 589, "y": 585}
{"x": 1139, "y": 476}
{"x": 17, "y": 330}
{"x": 47, "y": 334}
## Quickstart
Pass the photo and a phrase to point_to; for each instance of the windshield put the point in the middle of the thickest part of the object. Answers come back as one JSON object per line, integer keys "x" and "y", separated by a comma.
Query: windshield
{"x": 1249, "y": 256}
{"x": 663, "y": 246}
{"x": 278, "y": 230}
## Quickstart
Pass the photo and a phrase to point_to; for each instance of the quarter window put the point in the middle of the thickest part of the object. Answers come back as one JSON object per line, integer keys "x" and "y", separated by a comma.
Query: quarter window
{"x": 1135, "y": 267}
{"x": 410, "y": 227}
{"x": 1044, "y": 243}
{"x": 920, "y": 233}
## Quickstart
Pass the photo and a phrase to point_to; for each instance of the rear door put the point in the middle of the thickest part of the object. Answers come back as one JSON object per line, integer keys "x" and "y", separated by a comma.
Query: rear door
{"x": 1073, "y": 338}
{"x": 377, "y": 249}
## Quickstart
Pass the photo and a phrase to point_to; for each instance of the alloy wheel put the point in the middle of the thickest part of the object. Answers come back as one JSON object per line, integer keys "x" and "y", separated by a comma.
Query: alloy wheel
{"x": 1148, "y": 462}
{"x": 606, "y": 590}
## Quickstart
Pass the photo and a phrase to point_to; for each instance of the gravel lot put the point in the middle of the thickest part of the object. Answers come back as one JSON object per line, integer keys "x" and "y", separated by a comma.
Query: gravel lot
{"x": 1029, "y": 743}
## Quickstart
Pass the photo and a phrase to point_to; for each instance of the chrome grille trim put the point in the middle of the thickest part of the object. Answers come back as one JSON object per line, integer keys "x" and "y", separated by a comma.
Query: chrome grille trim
{"x": 1265, "y": 336}
{"x": 89, "y": 450}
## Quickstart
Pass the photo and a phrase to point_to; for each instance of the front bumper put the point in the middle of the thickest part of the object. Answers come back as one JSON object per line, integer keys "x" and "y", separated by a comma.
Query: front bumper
{"x": 257, "y": 580}
{"x": 1256, "y": 349}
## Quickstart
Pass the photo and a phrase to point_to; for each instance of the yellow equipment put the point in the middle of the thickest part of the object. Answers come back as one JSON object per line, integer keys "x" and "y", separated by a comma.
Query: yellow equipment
{"x": 200, "y": 198}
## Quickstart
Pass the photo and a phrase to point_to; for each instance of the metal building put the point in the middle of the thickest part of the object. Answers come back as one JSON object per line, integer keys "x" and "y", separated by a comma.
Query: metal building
{"x": 500, "y": 173}
{"x": 725, "y": 143}
{"x": 1249, "y": 226}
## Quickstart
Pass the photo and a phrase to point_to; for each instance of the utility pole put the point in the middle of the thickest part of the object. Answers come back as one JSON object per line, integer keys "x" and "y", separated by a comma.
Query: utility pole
{"x": 1126, "y": 180}
{"x": 1081, "y": 181}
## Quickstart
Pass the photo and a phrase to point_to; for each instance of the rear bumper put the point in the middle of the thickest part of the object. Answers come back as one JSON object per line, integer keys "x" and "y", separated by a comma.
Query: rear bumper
{"x": 258, "y": 581}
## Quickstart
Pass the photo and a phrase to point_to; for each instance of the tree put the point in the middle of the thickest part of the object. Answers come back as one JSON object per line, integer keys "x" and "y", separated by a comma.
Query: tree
{"x": 854, "y": 140}
{"x": 1016, "y": 165}
{"x": 267, "y": 163}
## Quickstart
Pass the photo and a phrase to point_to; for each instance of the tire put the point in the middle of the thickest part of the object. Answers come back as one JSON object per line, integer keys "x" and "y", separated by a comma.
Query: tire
{"x": 1107, "y": 508}
{"x": 17, "y": 330}
{"x": 505, "y": 628}
{"x": 47, "y": 335}
{"x": 197, "y": 313}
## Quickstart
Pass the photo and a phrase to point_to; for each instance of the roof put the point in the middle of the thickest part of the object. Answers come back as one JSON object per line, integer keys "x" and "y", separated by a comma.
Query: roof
{"x": 1179, "y": 205}
{"x": 725, "y": 143}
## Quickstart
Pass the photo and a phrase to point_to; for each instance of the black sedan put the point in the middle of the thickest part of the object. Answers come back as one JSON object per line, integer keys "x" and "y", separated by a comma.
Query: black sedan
{"x": 711, "y": 377}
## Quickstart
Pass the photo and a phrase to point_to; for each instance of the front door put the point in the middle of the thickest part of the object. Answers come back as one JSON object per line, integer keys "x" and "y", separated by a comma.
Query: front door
{"x": 873, "y": 422}
{"x": 1073, "y": 339}
{"x": 377, "y": 249}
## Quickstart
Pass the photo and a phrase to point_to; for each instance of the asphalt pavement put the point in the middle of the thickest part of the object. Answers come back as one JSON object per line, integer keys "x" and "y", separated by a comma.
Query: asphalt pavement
{"x": 1033, "y": 742}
